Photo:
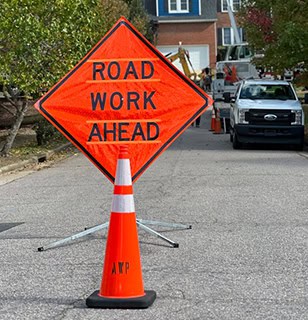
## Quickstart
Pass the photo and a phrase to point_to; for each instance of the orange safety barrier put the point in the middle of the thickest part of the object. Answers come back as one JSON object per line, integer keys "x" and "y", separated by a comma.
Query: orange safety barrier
{"x": 122, "y": 285}
{"x": 217, "y": 122}
{"x": 213, "y": 119}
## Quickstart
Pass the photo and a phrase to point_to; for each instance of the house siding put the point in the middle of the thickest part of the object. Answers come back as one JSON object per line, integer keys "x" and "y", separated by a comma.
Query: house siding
{"x": 223, "y": 20}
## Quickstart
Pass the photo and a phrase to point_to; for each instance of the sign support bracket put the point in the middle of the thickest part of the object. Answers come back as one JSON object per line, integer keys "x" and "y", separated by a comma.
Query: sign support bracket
{"x": 141, "y": 223}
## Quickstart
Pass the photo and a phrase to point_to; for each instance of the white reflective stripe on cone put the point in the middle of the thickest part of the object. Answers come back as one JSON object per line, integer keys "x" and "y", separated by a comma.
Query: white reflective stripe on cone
{"x": 123, "y": 174}
{"x": 123, "y": 203}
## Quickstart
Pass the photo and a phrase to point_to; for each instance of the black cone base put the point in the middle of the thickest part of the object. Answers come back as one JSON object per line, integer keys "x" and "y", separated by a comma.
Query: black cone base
{"x": 96, "y": 301}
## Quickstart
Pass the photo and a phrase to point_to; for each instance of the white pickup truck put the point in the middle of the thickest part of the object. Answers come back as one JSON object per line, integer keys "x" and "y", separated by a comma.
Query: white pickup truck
{"x": 266, "y": 111}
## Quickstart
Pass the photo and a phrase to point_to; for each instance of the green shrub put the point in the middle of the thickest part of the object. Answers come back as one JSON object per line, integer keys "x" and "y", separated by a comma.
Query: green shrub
{"x": 46, "y": 132}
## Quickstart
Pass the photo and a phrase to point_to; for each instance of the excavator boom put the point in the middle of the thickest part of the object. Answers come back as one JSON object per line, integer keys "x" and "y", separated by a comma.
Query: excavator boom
{"x": 184, "y": 59}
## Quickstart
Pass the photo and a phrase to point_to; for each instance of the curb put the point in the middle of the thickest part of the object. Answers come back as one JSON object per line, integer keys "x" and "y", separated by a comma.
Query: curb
{"x": 34, "y": 160}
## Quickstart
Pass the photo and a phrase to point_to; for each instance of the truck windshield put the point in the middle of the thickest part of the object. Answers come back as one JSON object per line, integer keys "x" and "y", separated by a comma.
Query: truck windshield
{"x": 238, "y": 52}
{"x": 267, "y": 91}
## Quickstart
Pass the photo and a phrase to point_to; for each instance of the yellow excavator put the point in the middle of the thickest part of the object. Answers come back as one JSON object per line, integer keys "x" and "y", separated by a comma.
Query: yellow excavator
{"x": 183, "y": 56}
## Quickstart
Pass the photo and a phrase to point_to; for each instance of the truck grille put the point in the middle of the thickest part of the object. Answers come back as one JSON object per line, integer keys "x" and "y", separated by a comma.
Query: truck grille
{"x": 256, "y": 117}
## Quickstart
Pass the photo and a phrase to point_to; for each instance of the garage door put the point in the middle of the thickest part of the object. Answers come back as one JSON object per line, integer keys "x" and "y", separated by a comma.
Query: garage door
{"x": 199, "y": 55}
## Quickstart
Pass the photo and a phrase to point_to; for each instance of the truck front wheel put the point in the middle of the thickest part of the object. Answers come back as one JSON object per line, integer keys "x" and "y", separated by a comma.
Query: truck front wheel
{"x": 235, "y": 143}
{"x": 231, "y": 137}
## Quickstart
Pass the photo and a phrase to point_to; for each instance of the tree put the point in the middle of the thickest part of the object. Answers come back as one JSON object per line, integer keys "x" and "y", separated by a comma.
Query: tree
{"x": 280, "y": 29}
{"x": 113, "y": 9}
{"x": 133, "y": 10}
{"x": 40, "y": 42}
{"x": 140, "y": 19}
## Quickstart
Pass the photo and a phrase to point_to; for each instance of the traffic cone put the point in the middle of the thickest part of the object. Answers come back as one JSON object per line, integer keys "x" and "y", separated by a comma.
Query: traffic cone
{"x": 122, "y": 285}
{"x": 213, "y": 120}
{"x": 233, "y": 74}
{"x": 217, "y": 122}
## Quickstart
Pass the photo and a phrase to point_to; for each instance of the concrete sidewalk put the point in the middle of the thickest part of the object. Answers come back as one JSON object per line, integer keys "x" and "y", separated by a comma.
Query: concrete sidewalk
{"x": 20, "y": 164}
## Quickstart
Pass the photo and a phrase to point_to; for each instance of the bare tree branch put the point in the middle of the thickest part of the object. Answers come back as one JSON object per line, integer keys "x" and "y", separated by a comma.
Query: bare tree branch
{"x": 8, "y": 110}
{"x": 9, "y": 99}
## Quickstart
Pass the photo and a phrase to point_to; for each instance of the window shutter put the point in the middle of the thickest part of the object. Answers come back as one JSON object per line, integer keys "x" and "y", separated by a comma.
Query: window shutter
{"x": 218, "y": 5}
{"x": 166, "y": 8}
{"x": 219, "y": 36}
{"x": 190, "y": 5}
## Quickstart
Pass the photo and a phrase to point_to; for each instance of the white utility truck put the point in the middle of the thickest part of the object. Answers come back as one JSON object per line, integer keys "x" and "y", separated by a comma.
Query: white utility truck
{"x": 266, "y": 111}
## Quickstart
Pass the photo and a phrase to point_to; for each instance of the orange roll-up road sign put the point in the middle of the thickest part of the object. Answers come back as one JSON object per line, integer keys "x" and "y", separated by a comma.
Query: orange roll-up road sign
{"x": 123, "y": 92}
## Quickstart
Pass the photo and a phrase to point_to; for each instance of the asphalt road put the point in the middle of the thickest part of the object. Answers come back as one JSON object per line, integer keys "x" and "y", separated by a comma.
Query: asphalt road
{"x": 244, "y": 258}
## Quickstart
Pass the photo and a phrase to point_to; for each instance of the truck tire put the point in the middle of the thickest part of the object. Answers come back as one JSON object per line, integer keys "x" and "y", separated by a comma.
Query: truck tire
{"x": 235, "y": 143}
{"x": 231, "y": 137}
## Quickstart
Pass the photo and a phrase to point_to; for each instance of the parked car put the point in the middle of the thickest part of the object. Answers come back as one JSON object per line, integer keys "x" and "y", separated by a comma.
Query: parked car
{"x": 266, "y": 111}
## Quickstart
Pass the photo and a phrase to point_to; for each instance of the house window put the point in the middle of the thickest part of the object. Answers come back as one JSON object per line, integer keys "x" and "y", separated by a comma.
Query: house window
{"x": 228, "y": 36}
{"x": 178, "y": 6}
{"x": 235, "y": 5}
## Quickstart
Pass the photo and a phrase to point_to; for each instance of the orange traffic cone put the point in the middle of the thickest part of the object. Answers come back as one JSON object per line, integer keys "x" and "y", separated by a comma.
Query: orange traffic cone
{"x": 234, "y": 74}
{"x": 122, "y": 285}
{"x": 217, "y": 122}
{"x": 213, "y": 120}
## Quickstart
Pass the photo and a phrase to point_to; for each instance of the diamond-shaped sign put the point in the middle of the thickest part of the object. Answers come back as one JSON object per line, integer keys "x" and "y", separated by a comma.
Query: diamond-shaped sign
{"x": 123, "y": 92}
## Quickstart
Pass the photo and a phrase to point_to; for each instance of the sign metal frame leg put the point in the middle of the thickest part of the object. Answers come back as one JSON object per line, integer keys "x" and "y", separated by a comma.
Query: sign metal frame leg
{"x": 140, "y": 222}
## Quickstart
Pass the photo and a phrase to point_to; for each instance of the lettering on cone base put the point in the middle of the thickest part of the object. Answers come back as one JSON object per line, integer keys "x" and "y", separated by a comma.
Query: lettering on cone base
{"x": 120, "y": 267}
{"x": 124, "y": 131}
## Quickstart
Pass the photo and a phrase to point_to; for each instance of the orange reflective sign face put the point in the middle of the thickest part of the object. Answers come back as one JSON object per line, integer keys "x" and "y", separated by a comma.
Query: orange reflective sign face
{"x": 124, "y": 92}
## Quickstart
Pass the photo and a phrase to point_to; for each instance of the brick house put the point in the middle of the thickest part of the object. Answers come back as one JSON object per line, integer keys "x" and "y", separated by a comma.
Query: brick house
{"x": 191, "y": 22}
{"x": 202, "y": 26}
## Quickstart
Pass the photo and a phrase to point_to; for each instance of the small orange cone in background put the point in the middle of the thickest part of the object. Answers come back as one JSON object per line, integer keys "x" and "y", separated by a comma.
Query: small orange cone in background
{"x": 217, "y": 122}
{"x": 213, "y": 119}
{"x": 122, "y": 284}
{"x": 234, "y": 74}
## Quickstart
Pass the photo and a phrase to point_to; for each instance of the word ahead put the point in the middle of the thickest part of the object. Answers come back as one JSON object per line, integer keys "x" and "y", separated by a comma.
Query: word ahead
{"x": 120, "y": 131}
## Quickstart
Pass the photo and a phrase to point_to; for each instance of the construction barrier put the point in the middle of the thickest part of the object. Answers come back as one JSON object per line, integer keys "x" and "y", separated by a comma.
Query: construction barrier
{"x": 122, "y": 284}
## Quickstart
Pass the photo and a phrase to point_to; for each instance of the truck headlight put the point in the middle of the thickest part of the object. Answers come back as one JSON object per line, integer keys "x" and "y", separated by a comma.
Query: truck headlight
{"x": 242, "y": 116}
{"x": 298, "y": 117}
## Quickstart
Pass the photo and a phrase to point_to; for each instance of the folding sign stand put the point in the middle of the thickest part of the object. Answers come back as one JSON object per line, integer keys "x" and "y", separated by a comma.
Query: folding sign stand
{"x": 141, "y": 223}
